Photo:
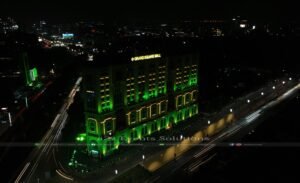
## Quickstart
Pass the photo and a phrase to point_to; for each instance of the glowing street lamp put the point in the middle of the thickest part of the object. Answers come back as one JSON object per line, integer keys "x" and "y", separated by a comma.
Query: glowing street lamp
{"x": 262, "y": 93}
{"x": 208, "y": 122}
{"x": 273, "y": 87}
{"x": 248, "y": 101}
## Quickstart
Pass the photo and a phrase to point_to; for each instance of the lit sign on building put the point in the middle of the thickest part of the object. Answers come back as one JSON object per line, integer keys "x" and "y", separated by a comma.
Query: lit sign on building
{"x": 33, "y": 74}
{"x": 145, "y": 57}
{"x": 67, "y": 36}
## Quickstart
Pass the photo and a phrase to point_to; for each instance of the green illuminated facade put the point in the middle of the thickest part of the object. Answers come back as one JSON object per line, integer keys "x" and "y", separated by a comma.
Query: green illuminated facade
{"x": 124, "y": 103}
{"x": 31, "y": 74}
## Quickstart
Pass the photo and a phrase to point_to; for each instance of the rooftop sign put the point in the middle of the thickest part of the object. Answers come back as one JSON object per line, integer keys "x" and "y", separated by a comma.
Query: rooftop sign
{"x": 145, "y": 57}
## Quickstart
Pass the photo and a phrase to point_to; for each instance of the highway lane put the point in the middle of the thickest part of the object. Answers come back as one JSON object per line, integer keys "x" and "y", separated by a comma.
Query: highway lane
{"x": 30, "y": 172}
{"x": 197, "y": 156}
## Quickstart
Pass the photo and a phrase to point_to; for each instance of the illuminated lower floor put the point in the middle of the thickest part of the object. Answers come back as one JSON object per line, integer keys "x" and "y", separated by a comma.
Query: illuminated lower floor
{"x": 98, "y": 146}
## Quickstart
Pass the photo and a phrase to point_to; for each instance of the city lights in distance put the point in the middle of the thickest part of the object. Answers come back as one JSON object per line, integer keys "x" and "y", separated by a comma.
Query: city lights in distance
{"x": 145, "y": 57}
{"x": 67, "y": 35}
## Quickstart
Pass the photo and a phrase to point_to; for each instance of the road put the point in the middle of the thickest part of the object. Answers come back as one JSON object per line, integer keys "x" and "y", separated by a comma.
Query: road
{"x": 193, "y": 159}
{"x": 33, "y": 170}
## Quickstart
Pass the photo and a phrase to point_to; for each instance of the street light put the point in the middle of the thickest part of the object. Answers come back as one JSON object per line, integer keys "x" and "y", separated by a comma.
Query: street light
{"x": 283, "y": 82}
{"x": 290, "y": 79}
{"x": 181, "y": 137}
{"x": 274, "y": 87}
{"x": 143, "y": 157}
{"x": 231, "y": 110}
{"x": 208, "y": 122}
{"x": 116, "y": 171}
{"x": 262, "y": 93}
{"x": 248, "y": 101}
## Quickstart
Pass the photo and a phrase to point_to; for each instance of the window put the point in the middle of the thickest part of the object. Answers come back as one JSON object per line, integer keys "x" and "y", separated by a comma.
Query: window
{"x": 144, "y": 130}
{"x": 179, "y": 101}
{"x": 122, "y": 140}
{"x": 133, "y": 135}
{"x": 153, "y": 110}
{"x": 144, "y": 113}
{"x": 163, "y": 122}
{"x": 108, "y": 125}
{"x": 92, "y": 125}
{"x": 91, "y": 101}
{"x": 154, "y": 126}
{"x": 163, "y": 106}
{"x": 194, "y": 95}
{"x": 187, "y": 114}
{"x": 179, "y": 116}
{"x": 187, "y": 98}
{"x": 110, "y": 144}
{"x": 132, "y": 117}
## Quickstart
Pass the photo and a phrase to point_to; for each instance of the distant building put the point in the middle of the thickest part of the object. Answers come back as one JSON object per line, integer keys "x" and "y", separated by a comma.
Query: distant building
{"x": 8, "y": 25}
{"x": 126, "y": 102}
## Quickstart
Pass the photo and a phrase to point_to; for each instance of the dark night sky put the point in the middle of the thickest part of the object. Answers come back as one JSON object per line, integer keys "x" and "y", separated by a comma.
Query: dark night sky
{"x": 66, "y": 10}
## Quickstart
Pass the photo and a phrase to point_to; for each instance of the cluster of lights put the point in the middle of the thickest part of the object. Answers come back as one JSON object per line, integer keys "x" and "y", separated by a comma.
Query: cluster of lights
{"x": 145, "y": 57}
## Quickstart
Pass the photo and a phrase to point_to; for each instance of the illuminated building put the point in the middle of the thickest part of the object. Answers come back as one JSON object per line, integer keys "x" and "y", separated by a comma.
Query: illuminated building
{"x": 126, "y": 102}
{"x": 31, "y": 75}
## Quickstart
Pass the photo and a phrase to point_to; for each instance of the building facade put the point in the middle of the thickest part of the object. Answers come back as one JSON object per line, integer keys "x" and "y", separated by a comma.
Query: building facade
{"x": 126, "y": 102}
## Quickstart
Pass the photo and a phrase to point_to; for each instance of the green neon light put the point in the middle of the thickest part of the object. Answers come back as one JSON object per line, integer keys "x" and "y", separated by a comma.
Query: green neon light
{"x": 81, "y": 137}
{"x": 146, "y": 96}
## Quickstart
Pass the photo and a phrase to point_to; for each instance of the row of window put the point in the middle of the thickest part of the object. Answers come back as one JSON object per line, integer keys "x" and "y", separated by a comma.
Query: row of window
{"x": 106, "y": 126}
{"x": 110, "y": 144}
{"x": 184, "y": 99}
{"x": 147, "y": 112}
